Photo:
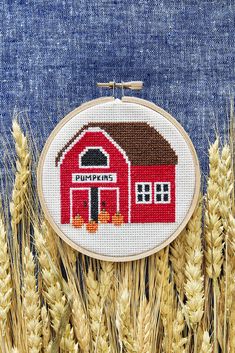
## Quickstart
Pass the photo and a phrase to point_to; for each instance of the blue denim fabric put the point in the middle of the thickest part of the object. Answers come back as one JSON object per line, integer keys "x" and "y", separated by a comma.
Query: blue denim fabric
{"x": 53, "y": 52}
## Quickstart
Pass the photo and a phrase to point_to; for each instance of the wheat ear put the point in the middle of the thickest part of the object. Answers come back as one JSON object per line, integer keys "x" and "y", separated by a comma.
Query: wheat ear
{"x": 213, "y": 225}
{"x": 31, "y": 303}
{"x": 18, "y": 226}
{"x": 206, "y": 343}
{"x": 214, "y": 238}
{"x": 167, "y": 311}
{"x": 124, "y": 321}
{"x": 79, "y": 317}
{"x": 53, "y": 293}
{"x": 106, "y": 279}
{"x": 144, "y": 327}
{"x": 80, "y": 323}
{"x": 178, "y": 341}
{"x": 21, "y": 177}
{"x": 5, "y": 279}
{"x": 225, "y": 209}
{"x": 193, "y": 270}
{"x": 100, "y": 336}
{"x": 177, "y": 258}
{"x": 46, "y": 332}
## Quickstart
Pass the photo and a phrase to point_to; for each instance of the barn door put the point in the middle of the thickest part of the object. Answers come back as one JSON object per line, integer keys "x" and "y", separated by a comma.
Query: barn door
{"x": 80, "y": 203}
{"x": 108, "y": 201}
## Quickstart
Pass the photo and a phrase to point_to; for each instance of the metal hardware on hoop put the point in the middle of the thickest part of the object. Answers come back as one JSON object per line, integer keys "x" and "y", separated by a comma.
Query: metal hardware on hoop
{"x": 134, "y": 85}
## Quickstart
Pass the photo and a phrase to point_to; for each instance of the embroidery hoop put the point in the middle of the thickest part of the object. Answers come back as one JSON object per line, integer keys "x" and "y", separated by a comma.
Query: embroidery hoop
{"x": 173, "y": 121}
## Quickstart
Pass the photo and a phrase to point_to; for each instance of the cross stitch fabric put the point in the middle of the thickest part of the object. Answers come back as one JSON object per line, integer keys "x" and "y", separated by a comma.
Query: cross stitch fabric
{"x": 122, "y": 160}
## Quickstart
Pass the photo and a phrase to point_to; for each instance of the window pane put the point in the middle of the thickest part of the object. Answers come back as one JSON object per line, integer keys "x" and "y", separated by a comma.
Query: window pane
{"x": 158, "y": 187}
{"x": 159, "y": 197}
{"x": 147, "y": 197}
{"x": 146, "y": 187}
{"x": 165, "y": 187}
{"x": 140, "y": 198}
{"x": 166, "y": 197}
{"x": 139, "y": 188}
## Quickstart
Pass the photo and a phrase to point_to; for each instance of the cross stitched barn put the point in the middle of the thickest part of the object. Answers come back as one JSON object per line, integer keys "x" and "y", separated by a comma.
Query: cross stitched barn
{"x": 124, "y": 167}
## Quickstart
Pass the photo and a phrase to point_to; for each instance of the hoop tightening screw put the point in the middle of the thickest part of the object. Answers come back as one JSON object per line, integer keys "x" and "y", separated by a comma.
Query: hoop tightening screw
{"x": 134, "y": 85}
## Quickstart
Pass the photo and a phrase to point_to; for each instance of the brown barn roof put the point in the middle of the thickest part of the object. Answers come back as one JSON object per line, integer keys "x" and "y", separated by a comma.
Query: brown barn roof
{"x": 142, "y": 143}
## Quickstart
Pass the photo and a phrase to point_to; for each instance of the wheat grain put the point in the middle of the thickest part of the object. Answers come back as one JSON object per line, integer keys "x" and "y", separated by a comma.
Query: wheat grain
{"x": 206, "y": 343}
{"x": 5, "y": 279}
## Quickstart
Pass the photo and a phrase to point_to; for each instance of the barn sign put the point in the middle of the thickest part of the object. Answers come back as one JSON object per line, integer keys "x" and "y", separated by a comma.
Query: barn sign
{"x": 118, "y": 179}
{"x": 94, "y": 177}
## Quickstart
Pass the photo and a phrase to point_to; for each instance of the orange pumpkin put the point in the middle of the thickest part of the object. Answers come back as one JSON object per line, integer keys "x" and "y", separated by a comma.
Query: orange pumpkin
{"x": 117, "y": 219}
{"x": 78, "y": 221}
{"x": 103, "y": 216}
{"x": 92, "y": 226}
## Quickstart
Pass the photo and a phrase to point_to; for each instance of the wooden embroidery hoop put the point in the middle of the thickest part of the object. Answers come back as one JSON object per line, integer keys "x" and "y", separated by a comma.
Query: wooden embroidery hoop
{"x": 144, "y": 103}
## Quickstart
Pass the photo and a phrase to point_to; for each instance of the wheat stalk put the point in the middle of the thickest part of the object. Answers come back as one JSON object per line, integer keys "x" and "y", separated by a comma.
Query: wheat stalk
{"x": 31, "y": 303}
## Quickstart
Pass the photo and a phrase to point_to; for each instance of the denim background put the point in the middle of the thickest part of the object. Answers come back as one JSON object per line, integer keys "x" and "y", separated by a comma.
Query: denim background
{"x": 54, "y": 52}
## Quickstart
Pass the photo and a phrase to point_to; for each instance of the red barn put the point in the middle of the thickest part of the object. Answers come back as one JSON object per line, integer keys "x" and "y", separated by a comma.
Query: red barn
{"x": 125, "y": 167}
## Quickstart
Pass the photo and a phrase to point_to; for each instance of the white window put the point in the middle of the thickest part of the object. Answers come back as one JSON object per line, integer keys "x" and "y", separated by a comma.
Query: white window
{"x": 143, "y": 192}
{"x": 162, "y": 192}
